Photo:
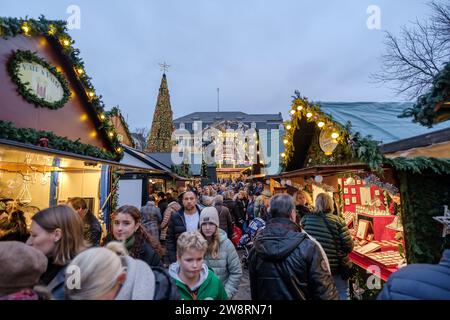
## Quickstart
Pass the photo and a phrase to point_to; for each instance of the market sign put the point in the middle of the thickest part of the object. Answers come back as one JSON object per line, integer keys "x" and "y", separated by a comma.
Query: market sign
{"x": 38, "y": 81}
{"x": 326, "y": 142}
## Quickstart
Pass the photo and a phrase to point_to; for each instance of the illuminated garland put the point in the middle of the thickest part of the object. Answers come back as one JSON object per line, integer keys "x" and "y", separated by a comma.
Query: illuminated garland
{"x": 351, "y": 147}
{"x": 56, "y": 30}
{"x": 115, "y": 111}
{"x": 27, "y": 56}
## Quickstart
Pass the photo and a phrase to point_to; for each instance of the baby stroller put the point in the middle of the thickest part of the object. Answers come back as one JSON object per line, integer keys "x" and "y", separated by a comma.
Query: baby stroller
{"x": 246, "y": 241}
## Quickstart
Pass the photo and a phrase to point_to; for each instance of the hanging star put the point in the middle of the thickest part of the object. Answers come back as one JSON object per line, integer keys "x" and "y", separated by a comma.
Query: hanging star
{"x": 445, "y": 220}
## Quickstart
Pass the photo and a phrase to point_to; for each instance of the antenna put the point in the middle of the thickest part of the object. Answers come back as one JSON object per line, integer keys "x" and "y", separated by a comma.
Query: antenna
{"x": 218, "y": 100}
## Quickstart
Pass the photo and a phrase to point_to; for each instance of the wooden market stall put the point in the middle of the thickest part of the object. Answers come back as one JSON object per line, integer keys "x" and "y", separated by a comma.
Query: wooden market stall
{"x": 375, "y": 195}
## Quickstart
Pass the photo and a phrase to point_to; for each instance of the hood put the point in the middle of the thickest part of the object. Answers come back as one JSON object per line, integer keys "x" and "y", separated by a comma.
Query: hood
{"x": 223, "y": 235}
{"x": 174, "y": 269}
{"x": 140, "y": 281}
{"x": 279, "y": 238}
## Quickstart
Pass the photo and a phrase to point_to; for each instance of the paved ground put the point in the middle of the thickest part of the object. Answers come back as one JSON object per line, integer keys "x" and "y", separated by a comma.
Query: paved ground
{"x": 244, "y": 287}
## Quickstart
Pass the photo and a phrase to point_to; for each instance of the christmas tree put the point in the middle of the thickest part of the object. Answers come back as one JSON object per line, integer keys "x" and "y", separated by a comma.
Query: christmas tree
{"x": 162, "y": 125}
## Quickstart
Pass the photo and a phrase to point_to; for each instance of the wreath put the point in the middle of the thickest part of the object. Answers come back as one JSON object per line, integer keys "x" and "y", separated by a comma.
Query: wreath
{"x": 14, "y": 71}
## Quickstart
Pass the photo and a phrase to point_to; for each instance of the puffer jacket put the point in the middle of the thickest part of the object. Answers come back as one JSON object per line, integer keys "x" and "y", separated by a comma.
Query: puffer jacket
{"x": 227, "y": 266}
{"x": 285, "y": 264}
{"x": 177, "y": 225}
{"x": 316, "y": 227}
{"x": 419, "y": 282}
{"x": 173, "y": 207}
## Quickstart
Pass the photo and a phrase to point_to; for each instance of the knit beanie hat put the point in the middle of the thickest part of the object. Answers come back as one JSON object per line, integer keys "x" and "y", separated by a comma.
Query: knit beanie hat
{"x": 209, "y": 214}
{"x": 21, "y": 265}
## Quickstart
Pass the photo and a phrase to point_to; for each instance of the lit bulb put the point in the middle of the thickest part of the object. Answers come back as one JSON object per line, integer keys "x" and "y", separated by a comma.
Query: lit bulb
{"x": 335, "y": 135}
{"x": 283, "y": 155}
{"x": 119, "y": 149}
{"x": 285, "y": 141}
{"x": 320, "y": 124}
{"x": 111, "y": 133}
{"x": 288, "y": 127}
{"x": 51, "y": 30}
{"x": 80, "y": 71}
{"x": 91, "y": 94}
{"x": 25, "y": 28}
{"x": 66, "y": 42}
{"x": 309, "y": 115}
{"x": 299, "y": 108}
{"x": 261, "y": 162}
{"x": 102, "y": 116}
{"x": 292, "y": 111}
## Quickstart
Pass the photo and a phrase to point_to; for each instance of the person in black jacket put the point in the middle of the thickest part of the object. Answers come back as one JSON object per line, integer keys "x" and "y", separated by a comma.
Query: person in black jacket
{"x": 419, "y": 282}
{"x": 91, "y": 225}
{"x": 187, "y": 219}
{"x": 240, "y": 209}
{"x": 285, "y": 263}
{"x": 139, "y": 243}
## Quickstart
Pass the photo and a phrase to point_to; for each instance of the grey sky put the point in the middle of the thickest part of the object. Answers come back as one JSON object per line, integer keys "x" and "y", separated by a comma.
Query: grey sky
{"x": 257, "y": 52}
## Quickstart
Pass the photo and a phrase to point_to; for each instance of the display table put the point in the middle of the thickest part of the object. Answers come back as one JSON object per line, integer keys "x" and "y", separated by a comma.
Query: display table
{"x": 364, "y": 262}
{"x": 380, "y": 232}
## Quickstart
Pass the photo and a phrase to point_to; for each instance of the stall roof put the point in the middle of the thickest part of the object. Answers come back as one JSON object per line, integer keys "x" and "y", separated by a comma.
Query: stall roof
{"x": 378, "y": 119}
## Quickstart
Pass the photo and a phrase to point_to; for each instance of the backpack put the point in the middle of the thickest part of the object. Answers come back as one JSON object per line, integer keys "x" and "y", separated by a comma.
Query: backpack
{"x": 165, "y": 288}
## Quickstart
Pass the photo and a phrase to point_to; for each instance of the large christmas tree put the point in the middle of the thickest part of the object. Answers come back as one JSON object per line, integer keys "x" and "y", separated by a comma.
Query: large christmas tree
{"x": 162, "y": 125}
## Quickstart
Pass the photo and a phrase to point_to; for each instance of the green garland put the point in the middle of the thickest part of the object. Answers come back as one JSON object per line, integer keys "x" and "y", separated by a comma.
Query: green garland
{"x": 32, "y": 137}
{"x": 115, "y": 111}
{"x": 420, "y": 165}
{"x": 56, "y": 30}
{"x": 423, "y": 110}
{"x": 14, "y": 70}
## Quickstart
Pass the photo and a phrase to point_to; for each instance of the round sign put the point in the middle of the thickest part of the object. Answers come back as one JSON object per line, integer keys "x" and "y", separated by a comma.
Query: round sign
{"x": 326, "y": 142}
{"x": 40, "y": 81}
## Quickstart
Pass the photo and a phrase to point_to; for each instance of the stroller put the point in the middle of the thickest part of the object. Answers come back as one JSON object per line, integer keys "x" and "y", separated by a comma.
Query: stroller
{"x": 246, "y": 241}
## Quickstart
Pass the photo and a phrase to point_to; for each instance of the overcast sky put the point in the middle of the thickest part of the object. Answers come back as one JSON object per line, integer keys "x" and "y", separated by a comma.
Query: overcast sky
{"x": 257, "y": 52}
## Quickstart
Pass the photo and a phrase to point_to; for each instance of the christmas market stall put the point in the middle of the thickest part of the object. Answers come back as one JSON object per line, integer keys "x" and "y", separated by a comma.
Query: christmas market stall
{"x": 387, "y": 203}
{"x": 55, "y": 139}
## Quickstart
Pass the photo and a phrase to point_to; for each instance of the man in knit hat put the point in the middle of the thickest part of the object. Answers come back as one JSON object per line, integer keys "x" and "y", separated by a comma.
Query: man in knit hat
{"x": 22, "y": 267}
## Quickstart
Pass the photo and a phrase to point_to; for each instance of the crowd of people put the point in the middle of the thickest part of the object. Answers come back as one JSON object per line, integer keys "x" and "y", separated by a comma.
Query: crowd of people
{"x": 184, "y": 245}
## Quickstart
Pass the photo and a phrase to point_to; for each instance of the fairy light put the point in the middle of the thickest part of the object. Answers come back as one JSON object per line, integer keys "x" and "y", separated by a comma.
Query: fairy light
{"x": 102, "y": 116}
{"x": 25, "y": 28}
{"x": 320, "y": 124}
{"x": 91, "y": 94}
{"x": 80, "y": 71}
{"x": 309, "y": 115}
{"x": 65, "y": 42}
{"x": 335, "y": 135}
{"x": 292, "y": 112}
{"x": 111, "y": 134}
{"x": 285, "y": 141}
{"x": 283, "y": 155}
{"x": 299, "y": 108}
{"x": 288, "y": 127}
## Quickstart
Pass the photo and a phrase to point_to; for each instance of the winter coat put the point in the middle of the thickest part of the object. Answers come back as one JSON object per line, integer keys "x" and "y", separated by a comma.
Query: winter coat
{"x": 225, "y": 220}
{"x": 92, "y": 229}
{"x": 162, "y": 205}
{"x": 142, "y": 250}
{"x": 177, "y": 225}
{"x": 151, "y": 218}
{"x": 171, "y": 209}
{"x": 240, "y": 212}
{"x": 230, "y": 204}
{"x": 259, "y": 209}
{"x": 53, "y": 280}
{"x": 208, "y": 287}
{"x": 419, "y": 282}
{"x": 139, "y": 283}
{"x": 302, "y": 210}
{"x": 315, "y": 226}
{"x": 227, "y": 266}
{"x": 286, "y": 264}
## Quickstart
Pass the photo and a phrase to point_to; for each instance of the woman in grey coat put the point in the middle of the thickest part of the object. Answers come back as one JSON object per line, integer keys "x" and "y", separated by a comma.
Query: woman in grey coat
{"x": 221, "y": 256}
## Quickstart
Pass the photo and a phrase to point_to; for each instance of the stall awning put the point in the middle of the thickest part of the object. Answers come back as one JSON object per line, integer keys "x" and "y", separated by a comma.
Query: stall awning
{"x": 20, "y": 156}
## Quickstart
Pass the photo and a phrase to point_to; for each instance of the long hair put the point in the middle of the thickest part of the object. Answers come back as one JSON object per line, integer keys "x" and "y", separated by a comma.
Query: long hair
{"x": 141, "y": 233}
{"x": 65, "y": 218}
{"x": 213, "y": 244}
{"x": 15, "y": 222}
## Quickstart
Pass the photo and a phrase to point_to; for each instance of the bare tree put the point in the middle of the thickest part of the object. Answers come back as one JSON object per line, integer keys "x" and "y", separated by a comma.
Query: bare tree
{"x": 140, "y": 136}
{"x": 413, "y": 59}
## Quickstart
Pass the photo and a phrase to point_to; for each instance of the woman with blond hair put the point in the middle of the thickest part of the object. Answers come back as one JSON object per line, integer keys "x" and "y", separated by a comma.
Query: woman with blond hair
{"x": 303, "y": 203}
{"x": 333, "y": 234}
{"x": 58, "y": 233}
{"x": 221, "y": 256}
{"x": 109, "y": 274}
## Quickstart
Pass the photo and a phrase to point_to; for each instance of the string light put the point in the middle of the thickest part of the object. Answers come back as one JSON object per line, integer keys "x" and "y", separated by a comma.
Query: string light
{"x": 309, "y": 115}
{"x": 320, "y": 124}
{"x": 111, "y": 134}
{"x": 51, "y": 30}
{"x": 91, "y": 94}
{"x": 299, "y": 108}
{"x": 292, "y": 111}
{"x": 65, "y": 42}
{"x": 285, "y": 141}
{"x": 80, "y": 71}
{"x": 119, "y": 149}
{"x": 102, "y": 116}
{"x": 283, "y": 155}
{"x": 25, "y": 28}
{"x": 335, "y": 135}
{"x": 288, "y": 127}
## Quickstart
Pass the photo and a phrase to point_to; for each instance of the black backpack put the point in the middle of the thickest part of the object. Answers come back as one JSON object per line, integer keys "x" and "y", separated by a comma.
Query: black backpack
{"x": 165, "y": 287}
